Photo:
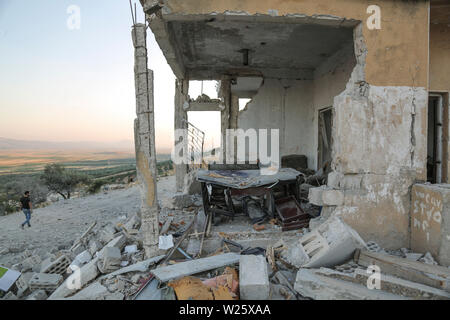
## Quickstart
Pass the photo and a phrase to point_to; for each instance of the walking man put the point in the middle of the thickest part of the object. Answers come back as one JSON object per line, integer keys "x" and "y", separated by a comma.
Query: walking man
{"x": 26, "y": 206}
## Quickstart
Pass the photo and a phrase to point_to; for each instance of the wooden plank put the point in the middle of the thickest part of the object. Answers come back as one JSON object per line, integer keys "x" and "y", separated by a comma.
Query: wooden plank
{"x": 194, "y": 266}
{"x": 430, "y": 275}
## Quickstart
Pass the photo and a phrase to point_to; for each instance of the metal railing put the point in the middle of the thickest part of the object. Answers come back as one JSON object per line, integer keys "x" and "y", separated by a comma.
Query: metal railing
{"x": 196, "y": 141}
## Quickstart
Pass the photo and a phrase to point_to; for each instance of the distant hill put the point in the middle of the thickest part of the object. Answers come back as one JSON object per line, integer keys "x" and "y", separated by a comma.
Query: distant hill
{"x": 14, "y": 144}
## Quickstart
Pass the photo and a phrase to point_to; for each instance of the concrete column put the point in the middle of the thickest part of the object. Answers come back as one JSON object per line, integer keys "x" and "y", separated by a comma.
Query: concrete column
{"x": 225, "y": 94}
{"x": 144, "y": 133}
{"x": 233, "y": 124}
{"x": 181, "y": 98}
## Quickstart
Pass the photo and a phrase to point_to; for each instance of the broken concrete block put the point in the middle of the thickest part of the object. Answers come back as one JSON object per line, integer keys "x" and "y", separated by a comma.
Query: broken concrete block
{"x": 333, "y": 198}
{"x": 118, "y": 242}
{"x": 373, "y": 247}
{"x": 188, "y": 268}
{"x": 133, "y": 223}
{"x": 22, "y": 283}
{"x": 37, "y": 295}
{"x": 10, "y": 296}
{"x": 334, "y": 179}
{"x": 253, "y": 278}
{"x": 315, "y": 195}
{"x": 107, "y": 233}
{"x": 428, "y": 258}
{"x": 45, "y": 281}
{"x": 78, "y": 248}
{"x": 109, "y": 260}
{"x": 32, "y": 263}
{"x": 81, "y": 259}
{"x": 325, "y": 196}
{"x": 294, "y": 254}
{"x": 310, "y": 283}
{"x": 140, "y": 266}
{"x": 59, "y": 266}
{"x": 77, "y": 280}
{"x": 332, "y": 243}
{"x": 84, "y": 257}
{"x": 94, "y": 291}
{"x": 94, "y": 246}
{"x": 389, "y": 284}
{"x": 193, "y": 247}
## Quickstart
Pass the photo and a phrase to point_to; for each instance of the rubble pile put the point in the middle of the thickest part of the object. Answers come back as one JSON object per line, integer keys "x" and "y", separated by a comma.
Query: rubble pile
{"x": 326, "y": 261}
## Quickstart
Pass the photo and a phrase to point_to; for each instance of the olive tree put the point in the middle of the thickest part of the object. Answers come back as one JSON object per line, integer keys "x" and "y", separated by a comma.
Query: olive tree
{"x": 61, "y": 180}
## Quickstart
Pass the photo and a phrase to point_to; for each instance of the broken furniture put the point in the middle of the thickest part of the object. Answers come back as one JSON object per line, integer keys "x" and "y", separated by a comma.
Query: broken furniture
{"x": 291, "y": 215}
{"x": 220, "y": 187}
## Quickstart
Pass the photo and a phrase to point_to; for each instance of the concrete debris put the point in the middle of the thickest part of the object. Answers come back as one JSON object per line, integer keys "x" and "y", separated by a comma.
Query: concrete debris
{"x": 326, "y": 196}
{"x": 312, "y": 284}
{"x": 140, "y": 266}
{"x": 77, "y": 280}
{"x": 194, "y": 266}
{"x": 10, "y": 296}
{"x": 22, "y": 283}
{"x": 253, "y": 278}
{"x": 428, "y": 258}
{"x": 81, "y": 259}
{"x": 389, "y": 284}
{"x": 45, "y": 281}
{"x": 94, "y": 291}
{"x": 32, "y": 263}
{"x": 166, "y": 226}
{"x": 109, "y": 260}
{"x": 332, "y": 243}
{"x": 107, "y": 233}
{"x": 427, "y": 274}
{"x": 59, "y": 266}
{"x": 37, "y": 295}
{"x": 94, "y": 246}
{"x": 374, "y": 247}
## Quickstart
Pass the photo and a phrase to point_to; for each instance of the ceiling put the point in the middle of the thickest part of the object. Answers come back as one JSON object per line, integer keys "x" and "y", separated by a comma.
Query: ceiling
{"x": 210, "y": 49}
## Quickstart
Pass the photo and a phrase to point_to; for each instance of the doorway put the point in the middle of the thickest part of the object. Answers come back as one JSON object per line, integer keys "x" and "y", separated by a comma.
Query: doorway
{"x": 325, "y": 138}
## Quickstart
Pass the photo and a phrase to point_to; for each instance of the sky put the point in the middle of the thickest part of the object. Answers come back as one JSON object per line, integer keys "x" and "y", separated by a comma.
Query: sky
{"x": 60, "y": 83}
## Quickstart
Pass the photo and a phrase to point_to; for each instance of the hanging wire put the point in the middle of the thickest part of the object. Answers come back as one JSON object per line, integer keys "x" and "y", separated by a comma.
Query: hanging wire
{"x": 133, "y": 15}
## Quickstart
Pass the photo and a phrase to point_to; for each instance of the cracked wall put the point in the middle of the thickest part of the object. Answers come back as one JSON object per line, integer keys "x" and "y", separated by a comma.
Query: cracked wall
{"x": 379, "y": 151}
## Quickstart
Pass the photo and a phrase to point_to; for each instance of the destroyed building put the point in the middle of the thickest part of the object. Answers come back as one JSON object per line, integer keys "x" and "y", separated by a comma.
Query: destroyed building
{"x": 358, "y": 97}
{"x": 360, "y": 90}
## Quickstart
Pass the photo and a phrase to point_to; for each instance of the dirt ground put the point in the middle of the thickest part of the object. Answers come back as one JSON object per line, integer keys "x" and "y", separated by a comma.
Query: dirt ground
{"x": 56, "y": 226}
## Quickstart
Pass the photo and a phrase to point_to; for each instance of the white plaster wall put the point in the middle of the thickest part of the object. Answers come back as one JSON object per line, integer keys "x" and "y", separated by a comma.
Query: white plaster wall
{"x": 292, "y": 106}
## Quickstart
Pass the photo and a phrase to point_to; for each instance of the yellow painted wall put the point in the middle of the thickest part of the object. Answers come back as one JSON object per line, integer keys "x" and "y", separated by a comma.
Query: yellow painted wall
{"x": 397, "y": 53}
{"x": 440, "y": 57}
